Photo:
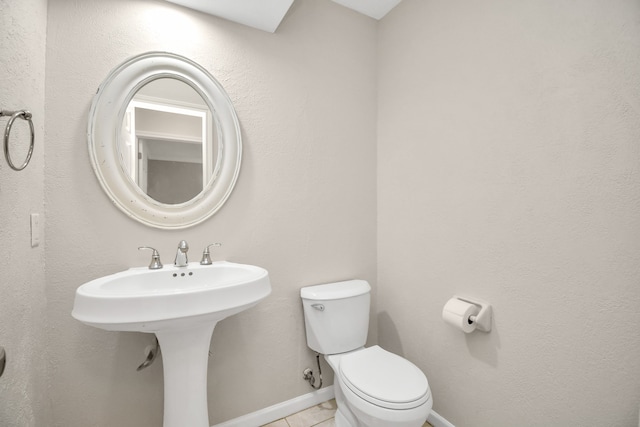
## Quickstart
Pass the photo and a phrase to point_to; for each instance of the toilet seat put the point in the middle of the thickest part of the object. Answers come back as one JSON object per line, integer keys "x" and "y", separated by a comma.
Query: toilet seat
{"x": 384, "y": 379}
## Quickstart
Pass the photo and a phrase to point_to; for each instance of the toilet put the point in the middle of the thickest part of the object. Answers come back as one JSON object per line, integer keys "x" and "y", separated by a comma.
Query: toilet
{"x": 373, "y": 387}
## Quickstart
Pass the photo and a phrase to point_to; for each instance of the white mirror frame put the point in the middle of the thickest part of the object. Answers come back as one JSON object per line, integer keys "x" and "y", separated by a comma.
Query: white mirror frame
{"x": 105, "y": 120}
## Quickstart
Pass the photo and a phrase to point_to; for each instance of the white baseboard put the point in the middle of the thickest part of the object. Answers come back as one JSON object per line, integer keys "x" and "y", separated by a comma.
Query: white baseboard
{"x": 300, "y": 403}
{"x": 281, "y": 410}
{"x": 437, "y": 420}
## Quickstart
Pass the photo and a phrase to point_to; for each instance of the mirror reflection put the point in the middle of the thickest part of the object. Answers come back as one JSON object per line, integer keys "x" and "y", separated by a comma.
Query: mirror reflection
{"x": 167, "y": 144}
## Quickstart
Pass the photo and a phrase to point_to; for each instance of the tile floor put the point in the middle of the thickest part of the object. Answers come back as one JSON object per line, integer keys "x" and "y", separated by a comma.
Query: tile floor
{"x": 317, "y": 416}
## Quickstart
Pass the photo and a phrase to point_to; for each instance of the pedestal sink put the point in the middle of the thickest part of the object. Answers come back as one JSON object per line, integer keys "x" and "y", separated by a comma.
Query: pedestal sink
{"x": 181, "y": 305}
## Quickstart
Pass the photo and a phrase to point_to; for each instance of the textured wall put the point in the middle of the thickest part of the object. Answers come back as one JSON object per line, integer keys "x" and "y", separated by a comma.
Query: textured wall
{"x": 303, "y": 207}
{"x": 508, "y": 169}
{"x": 22, "y": 66}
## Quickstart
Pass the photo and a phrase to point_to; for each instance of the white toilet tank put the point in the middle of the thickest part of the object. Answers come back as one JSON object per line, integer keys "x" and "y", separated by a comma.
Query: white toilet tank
{"x": 336, "y": 315}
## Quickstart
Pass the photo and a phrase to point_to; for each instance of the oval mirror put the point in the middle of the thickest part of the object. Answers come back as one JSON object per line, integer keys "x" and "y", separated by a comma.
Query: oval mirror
{"x": 164, "y": 140}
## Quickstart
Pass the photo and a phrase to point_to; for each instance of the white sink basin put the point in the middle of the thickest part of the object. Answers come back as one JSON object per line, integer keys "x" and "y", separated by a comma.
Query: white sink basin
{"x": 181, "y": 305}
{"x": 146, "y": 300}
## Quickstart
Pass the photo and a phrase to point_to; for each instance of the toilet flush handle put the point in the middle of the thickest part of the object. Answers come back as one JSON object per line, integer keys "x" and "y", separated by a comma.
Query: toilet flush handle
{"x": 318, "y": 306}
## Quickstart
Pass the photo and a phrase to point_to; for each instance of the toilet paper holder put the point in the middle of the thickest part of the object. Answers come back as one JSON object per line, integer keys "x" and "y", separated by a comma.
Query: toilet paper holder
{"x": 483, "y": 318}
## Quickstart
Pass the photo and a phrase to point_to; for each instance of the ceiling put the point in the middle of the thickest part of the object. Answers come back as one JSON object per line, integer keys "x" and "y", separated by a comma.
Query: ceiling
{"x": 266, "y": 15}
{"x": 376, "y": 9}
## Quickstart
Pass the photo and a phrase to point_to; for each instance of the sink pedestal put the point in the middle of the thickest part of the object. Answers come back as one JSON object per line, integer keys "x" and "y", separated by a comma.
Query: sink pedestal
{"x": 185, "y": 356}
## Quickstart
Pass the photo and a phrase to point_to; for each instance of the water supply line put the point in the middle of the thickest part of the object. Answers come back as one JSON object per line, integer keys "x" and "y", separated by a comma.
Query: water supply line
{"x": 152, "y": 352}
{"x": 308, "y": 375}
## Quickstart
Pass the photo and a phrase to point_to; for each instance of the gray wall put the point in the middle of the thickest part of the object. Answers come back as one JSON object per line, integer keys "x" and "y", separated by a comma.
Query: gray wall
{"x": 508, "y": 169}
{"x": 23, "y": 399}
{"x": 303, "y": 206}
{"x": 23, "y": 402}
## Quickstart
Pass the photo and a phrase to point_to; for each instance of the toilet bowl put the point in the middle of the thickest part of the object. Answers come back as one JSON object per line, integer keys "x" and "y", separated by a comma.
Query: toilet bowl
{"x": 373, "y": 387}
{"x": 380, "y": 388}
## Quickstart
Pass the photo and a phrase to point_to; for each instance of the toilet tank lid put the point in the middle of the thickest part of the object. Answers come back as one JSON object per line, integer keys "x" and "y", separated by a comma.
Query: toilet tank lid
{"x": 336, "y": 290}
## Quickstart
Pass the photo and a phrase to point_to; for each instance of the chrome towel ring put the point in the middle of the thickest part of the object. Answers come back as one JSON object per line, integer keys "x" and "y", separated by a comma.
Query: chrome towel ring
{"x": 25, "y": 115}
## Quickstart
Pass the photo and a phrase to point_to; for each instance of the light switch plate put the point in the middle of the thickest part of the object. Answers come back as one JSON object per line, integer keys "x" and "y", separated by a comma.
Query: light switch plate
{"x": 35, "y": 230}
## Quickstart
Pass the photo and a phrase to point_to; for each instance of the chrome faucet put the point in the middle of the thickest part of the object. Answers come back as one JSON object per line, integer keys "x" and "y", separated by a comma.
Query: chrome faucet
{"x": 206, "y": 255}
{"x": 181, "y": 256}
{"x": 155, "y": 258}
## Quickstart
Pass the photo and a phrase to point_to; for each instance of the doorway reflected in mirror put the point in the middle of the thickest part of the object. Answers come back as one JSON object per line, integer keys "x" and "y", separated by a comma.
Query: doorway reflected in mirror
{"x": 167, "y": 141}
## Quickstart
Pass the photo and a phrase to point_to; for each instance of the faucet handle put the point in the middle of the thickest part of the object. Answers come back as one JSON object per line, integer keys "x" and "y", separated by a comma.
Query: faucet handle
{"x": 155, "y": 258}
{"x": 206, "y": 259}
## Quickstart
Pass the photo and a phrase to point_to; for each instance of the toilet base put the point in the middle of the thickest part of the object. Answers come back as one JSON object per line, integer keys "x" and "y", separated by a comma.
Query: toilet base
{"x": 341, "y": 420}
{"x": 343, "y": 417}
